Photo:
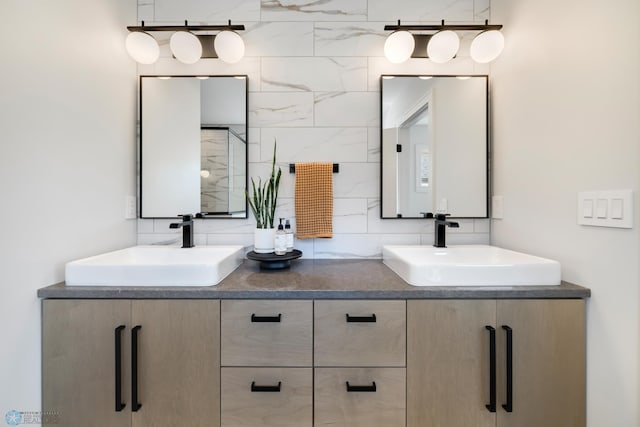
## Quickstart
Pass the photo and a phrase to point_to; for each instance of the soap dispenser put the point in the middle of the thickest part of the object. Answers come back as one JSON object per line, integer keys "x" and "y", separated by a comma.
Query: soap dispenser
{"x": 289, "y": 235}
{"x": 280, "y": 240}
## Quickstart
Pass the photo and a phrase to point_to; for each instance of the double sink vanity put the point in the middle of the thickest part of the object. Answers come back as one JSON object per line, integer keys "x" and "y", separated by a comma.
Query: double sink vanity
{"x": 412, "y": 340}
{"x": 453, "y": 336}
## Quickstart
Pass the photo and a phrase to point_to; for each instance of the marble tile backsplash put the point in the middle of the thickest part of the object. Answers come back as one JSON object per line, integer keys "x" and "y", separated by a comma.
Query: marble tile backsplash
{"x": 314, "y": 71}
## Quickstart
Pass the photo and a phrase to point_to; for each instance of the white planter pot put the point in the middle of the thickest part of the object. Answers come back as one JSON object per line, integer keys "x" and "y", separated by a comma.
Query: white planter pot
{"x": 263, "y": 239}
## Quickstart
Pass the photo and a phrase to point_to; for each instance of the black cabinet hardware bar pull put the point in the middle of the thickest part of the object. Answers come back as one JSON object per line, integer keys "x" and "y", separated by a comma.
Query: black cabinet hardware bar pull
{"x": 265, "y": 388}
{"x": 135, "y": 405}
{"x": 365, "y": 388}
{"x": 266, "y": 319}
{"x": 119, "y": 403}
{"x": 361, "y": 319}
{"x": 492, "y": 369}
{"x": 509, "y": 405}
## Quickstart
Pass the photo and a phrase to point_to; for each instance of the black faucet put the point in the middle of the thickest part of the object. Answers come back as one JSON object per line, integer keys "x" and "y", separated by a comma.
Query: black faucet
{"x": 441, "y": 225}
{"x": 187, "y": 230}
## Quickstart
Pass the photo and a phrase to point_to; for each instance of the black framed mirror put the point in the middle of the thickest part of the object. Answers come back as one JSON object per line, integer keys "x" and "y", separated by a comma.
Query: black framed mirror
{"x": 434, "y": 146}
{"x": 193, "y": 146}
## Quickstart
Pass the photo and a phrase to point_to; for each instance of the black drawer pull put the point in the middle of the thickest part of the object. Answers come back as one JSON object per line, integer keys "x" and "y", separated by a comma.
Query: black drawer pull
{"x": 263, "y": 388}
{"x": 135, "y": 405}
{"x": 119, "y": 403}
{"x": 366, "y": 388}
{"x": 361, "y": 319}
{"x": 491, "y": 407}
{"x": 266, "y": 319}
{"x": 509, "y": 405}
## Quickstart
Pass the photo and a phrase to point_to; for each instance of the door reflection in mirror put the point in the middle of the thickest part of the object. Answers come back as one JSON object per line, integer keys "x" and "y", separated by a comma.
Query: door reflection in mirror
{"x": 434, "y": 146}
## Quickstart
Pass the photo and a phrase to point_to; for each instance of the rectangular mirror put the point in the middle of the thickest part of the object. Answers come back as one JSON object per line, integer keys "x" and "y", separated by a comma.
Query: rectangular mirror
{"x": 193, "y": 146}
{"x": 434, "y": 146}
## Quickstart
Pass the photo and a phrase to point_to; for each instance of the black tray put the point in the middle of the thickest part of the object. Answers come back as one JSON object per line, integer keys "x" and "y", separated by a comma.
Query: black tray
{"x": 271, "y": 261}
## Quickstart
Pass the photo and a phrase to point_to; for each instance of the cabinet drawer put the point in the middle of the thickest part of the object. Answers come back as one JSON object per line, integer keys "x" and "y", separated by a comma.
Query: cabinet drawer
{"x": 266, "y": 333}
{"x": 360, "y": 333}
{"x": 291, "y": 406}
{"x": 335, "y": 406}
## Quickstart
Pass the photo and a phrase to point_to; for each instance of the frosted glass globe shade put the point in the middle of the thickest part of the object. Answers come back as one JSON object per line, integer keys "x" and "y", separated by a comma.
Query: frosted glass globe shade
{"x": 399, "y": 46}
{"x": 229, "y": 46}
{"x": 443, "y": 46}
{"x": 186, "y": 47}
{"x": 142, "y": 47}
{"x": 487, "y": 46}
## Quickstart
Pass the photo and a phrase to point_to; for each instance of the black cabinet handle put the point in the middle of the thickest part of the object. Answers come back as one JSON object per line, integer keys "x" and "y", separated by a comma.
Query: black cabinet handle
{"x": 365, "y": 388}
{"x": 135, "y": 405}
{"x": 509, "y": 405}
{"x": 492, "y": 369}
{"x": 119, "y": 403}
{"x": 361, "y": 319}
{"x": 265, "y": 388}
{"x": 266, "y": 319}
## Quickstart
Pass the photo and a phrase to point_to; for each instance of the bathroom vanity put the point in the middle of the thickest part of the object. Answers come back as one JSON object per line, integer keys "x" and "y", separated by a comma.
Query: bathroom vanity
{"x": 324, "y": 343}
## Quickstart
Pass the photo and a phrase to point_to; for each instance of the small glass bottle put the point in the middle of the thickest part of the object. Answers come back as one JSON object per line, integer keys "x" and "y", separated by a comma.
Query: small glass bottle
{"x": 289, "y": 233}
{"x": 280, "y": 243}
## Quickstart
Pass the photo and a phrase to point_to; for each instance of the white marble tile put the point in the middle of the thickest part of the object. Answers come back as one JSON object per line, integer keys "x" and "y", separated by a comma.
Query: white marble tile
{"x": 333, "y": 145}
{"x": 459, "y": 239}
{"x": 245, "y": 240}
{"x": 278, "y": 39}
{"x": 207, "y": 11}
{"x": 263, "y": 170}
{"x": 481, "y": 10}
{"x": 278, "y": 109}
{"x": 375, "y": 224}
{"x": 225, "y": 226}
{"x": 347, "y": 109}
{"x": 306, "y": 246}
{"x": 314, "y": 74}
{"x": 357, "y": 180}
{"x": 373, "y": 145}
{"x": 146, "y": 11}
{"x": 314, "y": 10}
{"x": 159, "y": 238}
{"x": 457, "y": 66}
{"x": 349, "y": 216}
{"x": 350, "y": 38}
{"x": 144, "y": 226}
{"x": 431, "y": 11}
{"x": 482, "y": 226}
{"x": 360, "y": 245}
{"x": 169, "y": 66}
{"x": 465, "y": 227}
{"x": 254, "y": 143}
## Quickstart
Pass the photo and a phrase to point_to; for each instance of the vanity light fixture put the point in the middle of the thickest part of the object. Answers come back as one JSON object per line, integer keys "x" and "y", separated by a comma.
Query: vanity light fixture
{"x": 186, "y": 46}
{"x": 441, "y": 43}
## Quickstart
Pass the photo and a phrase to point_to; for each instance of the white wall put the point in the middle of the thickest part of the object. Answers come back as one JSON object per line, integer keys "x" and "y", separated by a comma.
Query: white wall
{"x": 314, "y": 86}
{"x": 566, "y": 109}
{"x": 67, "y": 160}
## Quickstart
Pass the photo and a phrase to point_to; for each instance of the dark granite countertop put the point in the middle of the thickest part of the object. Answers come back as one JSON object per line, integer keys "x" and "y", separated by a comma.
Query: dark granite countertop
{"x": 314, "y": 279}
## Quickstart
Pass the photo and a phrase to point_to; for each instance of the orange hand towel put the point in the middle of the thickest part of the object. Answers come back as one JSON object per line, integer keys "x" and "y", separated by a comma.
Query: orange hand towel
{"x": 314, "y": 200}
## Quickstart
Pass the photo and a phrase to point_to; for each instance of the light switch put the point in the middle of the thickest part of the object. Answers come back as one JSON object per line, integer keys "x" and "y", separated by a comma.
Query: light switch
{"x": 587, "y": 208}
{"x": 601, "y": 208}
{"x": 617, "y": 210}
{"x": 497, "y": 207}
{"x": 606, "y": 208}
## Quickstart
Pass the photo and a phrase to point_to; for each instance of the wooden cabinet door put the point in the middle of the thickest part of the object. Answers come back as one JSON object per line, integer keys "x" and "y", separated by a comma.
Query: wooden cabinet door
{"x": 178, "y": 362}
{"x": 548, "y": 363}
{"x": 448, "y": 363}
{"x": 79, "y": 362}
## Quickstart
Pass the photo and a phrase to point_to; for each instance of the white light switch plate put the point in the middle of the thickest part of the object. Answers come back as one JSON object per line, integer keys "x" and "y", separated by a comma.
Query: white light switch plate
{"x": 611, "y": 208}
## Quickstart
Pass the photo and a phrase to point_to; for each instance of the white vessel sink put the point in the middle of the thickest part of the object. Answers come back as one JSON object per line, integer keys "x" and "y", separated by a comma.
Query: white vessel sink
{"x": 469, "y": 265}
{"x": 156, "y": 266}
